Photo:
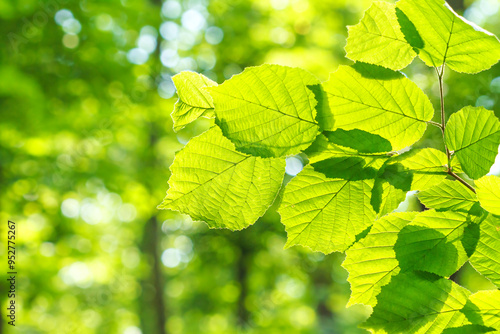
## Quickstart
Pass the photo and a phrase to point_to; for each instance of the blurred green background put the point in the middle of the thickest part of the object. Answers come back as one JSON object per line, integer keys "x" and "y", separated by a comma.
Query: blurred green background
{"x": 86, "y": 141}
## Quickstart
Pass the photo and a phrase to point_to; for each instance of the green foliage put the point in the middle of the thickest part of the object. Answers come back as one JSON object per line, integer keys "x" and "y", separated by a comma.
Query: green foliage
{"x": 379, "y": 101}
{"x": 240, "y": 187}
{"x": 378, "y": 39}
{"x": 489, "y": 194}
{"x": 268, "y": 110}
{"x": 447, "y": 38}
{"x": 352, "y": 130}
{"x": 194, "y": 102}
{"x": 473, "y": 134}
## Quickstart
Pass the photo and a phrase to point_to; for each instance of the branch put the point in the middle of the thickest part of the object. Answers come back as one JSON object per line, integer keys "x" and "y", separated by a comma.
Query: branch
{"x": 465, "y": 183}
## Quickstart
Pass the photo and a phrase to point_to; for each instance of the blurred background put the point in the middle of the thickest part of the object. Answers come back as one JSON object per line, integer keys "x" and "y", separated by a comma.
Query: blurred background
{"x": 86, "y": 141}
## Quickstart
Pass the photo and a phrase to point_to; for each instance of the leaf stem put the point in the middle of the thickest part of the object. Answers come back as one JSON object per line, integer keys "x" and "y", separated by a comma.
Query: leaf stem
{"x": 450, "y": 172}
{"x": 465, "y": 183}
{"x": 443, "y": 115}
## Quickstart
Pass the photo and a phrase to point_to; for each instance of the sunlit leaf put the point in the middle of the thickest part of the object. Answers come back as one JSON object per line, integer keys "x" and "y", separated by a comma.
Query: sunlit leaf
{"x": 377, "y": 39}
{"x": 213, "y": 182}
{"x": 486, "y": 258}
{"x": 432, "y": 243}
{"x": 488, "y": 192}
{"x": 474, "y": 134}
{"x": 325, "y": 214}
{"x": 379, "y": 101}
{"x": 371, "y": 262}
{"x": 483, "y": 308}
{"x": 448, "y": 195}
{"x": 194, "y": 101}
{"x": 268, "y": 110}
{"x": 448, "y": 38}
{"x": 417, "y": 303}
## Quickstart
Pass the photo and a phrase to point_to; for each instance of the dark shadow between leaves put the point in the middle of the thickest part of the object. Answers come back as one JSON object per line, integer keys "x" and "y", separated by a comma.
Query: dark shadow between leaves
{"x": 426, "y": 249}
{"x": 347, "y": 168}
{"x": 359, "y": 140}
{"x": 397, "y": 176}
{"x": 392, "y": 313}
{"x": 370, "y": 71}
{"x": 324, "y": 115}
{"x": 409, "y": 31}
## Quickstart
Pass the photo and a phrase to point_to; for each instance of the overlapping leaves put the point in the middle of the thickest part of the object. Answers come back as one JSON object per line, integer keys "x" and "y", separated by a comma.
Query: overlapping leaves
{"x": 351, "y": 129}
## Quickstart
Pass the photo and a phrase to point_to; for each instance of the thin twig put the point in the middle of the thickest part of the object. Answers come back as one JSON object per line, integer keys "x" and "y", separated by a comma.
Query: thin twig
{"x": 465, "y": 183}
{"x": 443, "y": 115}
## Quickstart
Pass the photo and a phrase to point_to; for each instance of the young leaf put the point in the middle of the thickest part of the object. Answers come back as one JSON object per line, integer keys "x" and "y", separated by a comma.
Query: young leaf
{"x": 488, "y": 192}
{"x": 474, "y": 134}
{"x": 379, "y": 101}
{"x": 449, "y": 38}
{"x": 268, "y": 110}
{"x": 422, "y": 168}
{"x": 483, "y": 308}
{"x": 194, "y": 101}
{"x": 432, "y": 243}
{"x": 325, "y": 214}
{"x": 416, "y": 303}
{"x": 371, "y": 262}
{"x": 486, "y": 258}
{"x": 377, "y": 39}
{"x": 448, "y": 195}
{"x": 213, "y": 182}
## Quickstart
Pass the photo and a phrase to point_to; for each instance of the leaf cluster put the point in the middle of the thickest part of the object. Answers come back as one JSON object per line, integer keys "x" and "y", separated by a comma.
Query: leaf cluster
{"x": 356, "y": 130}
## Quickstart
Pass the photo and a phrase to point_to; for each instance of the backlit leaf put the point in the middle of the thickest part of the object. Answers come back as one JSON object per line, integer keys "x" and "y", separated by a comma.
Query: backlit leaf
{"x": 379, "y": 101}
{"x": 194, "y": 101}
{"x": 268, "y": 110}
{"x": 474, "y": 134}
{"x": 449, "y": 38}
{"x": 214, "y": 183}
{"x": 377, "y": 39}
{"x": 488, "y": 192}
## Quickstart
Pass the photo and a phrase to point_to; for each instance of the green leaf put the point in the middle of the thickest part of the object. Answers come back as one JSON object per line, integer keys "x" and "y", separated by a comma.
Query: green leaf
{"x": 194, "y": 101}
{"x": 371, "y": 262}
{"x": 483, "y": 308}
{"x": 448, "y": 195}
{"x": 377, "y": 39}
{"x": 473, "y": 134}
{"x": 468, "y": 329}
{"x": 268, "y": 110}
{"x": 416, "y": 303}
{"x": 422, "y": 168}
{"x": 325, "y": 214}
{"x": 486, "y": 258}
{"x": 488, "y": 192}
{"x": 213, "y": 182}
{"x": 432, "y": 243}
{"x": 379, "y": 101}
{"x": 361, "y": 141}
{"x": 449, "y": 38}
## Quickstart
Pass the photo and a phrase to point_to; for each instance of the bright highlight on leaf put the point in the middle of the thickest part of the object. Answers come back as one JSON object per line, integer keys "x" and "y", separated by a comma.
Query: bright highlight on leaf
{"x": 194, "y": 101}
{"x": 377, "y": 39}
{"x": 447, "y": 38}
{"x": 325, "y": 214}
{"x": 379, "y": 101}
{"x": 351, "y": 131}
{"x": 483, "y": 308}
{"x": 474, "y": 134}
{"x": 371, "y": 262}
{"x": 268, "y": 110}
{"x": 486, "y": 258}
{"x": 488, "y": 192}
{"x": 432, "y": 243}
{"x": 448, "y": 195}
{"x": 420, "y": 169}
{"x": 213, "y": 182}
{"x": 418, "y": 303}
